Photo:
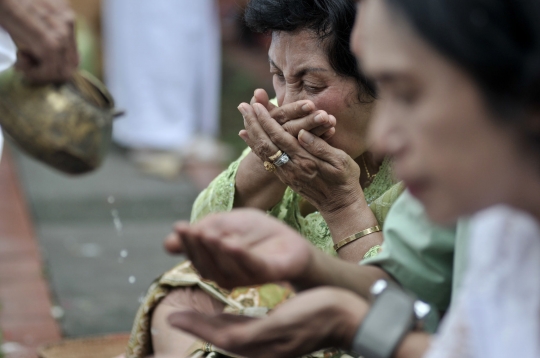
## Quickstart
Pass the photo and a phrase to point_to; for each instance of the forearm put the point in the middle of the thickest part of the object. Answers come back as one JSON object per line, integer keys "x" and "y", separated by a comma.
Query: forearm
{"x": 414, "y": 345}
{"x": 349, "y": 221}
{"x": 255, "y": 187}
{"x": 325, "y": 270}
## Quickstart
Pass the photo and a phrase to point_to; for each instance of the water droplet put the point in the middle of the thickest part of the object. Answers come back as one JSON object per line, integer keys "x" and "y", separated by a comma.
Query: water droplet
{"x": 117, "y": 222}
{"x": 57, "y": 312}
{"x": 111, "y": 199}
{"x": 124, "y": 254}
{"x": 90, "y": 250}
{"x": 118, "y": 225}
{"x": 154, "y": 331}
{"x": 141, "y": 299}
{"x": 132, "y": 279}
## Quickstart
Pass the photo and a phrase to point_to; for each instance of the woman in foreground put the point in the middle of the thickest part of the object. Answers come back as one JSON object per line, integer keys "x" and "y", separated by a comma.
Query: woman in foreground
{"x": 460, "y": 89}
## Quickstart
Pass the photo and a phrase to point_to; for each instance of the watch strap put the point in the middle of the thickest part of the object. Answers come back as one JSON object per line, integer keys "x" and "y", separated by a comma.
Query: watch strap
{"x": 390, "y": 318}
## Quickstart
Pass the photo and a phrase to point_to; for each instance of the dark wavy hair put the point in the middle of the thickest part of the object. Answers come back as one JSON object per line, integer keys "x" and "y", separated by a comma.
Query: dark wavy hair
{"x": 331, "y": 20}
{"x": 497, "y": 42}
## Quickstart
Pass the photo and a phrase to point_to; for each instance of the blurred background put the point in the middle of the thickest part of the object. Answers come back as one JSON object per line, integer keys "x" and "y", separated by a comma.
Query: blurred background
{"x": 100, "y": 235}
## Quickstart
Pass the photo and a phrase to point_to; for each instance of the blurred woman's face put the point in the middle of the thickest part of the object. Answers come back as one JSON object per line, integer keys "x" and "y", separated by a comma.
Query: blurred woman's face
{"x": 301, "y": 71}
{"x": 433, "y": 120}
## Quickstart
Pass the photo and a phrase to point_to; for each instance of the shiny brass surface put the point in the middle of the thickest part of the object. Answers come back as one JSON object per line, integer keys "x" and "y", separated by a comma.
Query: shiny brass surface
{"x": 67, "y": 126}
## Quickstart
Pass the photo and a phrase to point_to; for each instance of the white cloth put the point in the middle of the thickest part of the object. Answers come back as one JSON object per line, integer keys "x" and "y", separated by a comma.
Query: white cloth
{"x": 162, "y": 65}
{"x": 498, "y": 312}
{"x": 8, "y": 56}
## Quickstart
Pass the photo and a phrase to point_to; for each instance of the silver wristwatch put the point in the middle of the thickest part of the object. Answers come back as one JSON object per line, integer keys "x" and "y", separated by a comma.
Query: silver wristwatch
{"x": 393, "y": 314}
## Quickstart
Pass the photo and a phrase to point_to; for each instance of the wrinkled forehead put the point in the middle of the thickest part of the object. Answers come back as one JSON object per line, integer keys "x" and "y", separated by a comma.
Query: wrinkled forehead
{"x": 298, "y": 48}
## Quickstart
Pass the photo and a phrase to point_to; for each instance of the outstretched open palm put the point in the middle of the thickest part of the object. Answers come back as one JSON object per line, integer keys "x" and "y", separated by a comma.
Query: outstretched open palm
{"x": 243, "y": 247}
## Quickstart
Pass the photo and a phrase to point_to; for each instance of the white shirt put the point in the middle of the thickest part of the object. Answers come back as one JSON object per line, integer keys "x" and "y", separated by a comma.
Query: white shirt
{"x": 497, "y": 314}
{"x": 8, "y": 56}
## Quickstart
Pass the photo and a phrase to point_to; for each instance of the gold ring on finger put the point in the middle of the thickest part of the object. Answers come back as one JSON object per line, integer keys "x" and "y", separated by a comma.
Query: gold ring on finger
{"x": 278, "y": 154}
{"x": 269, "y": 167}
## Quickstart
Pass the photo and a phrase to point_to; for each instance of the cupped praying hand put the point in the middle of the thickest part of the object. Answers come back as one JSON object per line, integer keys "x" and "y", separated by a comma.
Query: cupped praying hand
{"x": 327, "y": 177}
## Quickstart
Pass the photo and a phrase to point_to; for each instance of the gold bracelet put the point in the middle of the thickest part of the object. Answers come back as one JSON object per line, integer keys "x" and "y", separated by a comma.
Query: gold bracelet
{"x": 356, "y": 236}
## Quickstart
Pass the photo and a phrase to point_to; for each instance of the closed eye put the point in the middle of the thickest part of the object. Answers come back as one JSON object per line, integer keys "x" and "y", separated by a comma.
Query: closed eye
{"x": 280, "y": 78}
{"x": 314, "y": 89}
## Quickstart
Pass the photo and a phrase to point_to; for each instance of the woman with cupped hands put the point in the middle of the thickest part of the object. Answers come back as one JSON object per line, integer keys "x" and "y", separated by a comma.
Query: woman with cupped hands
{"x": 308, "y": 164}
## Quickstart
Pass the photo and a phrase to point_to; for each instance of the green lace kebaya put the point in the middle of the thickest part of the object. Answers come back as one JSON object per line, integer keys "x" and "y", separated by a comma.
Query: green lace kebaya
{"x": 219, "y": 197}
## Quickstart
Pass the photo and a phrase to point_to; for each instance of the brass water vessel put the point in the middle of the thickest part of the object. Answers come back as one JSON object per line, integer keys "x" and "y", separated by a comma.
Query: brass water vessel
{"x": 68, "y": 126}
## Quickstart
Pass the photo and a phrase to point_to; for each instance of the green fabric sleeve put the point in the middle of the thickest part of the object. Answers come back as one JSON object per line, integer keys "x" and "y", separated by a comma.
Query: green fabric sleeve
{"x": 418, "y": 254}
{"x": 219, "y": 195}
{"x": 287, "y": 210}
